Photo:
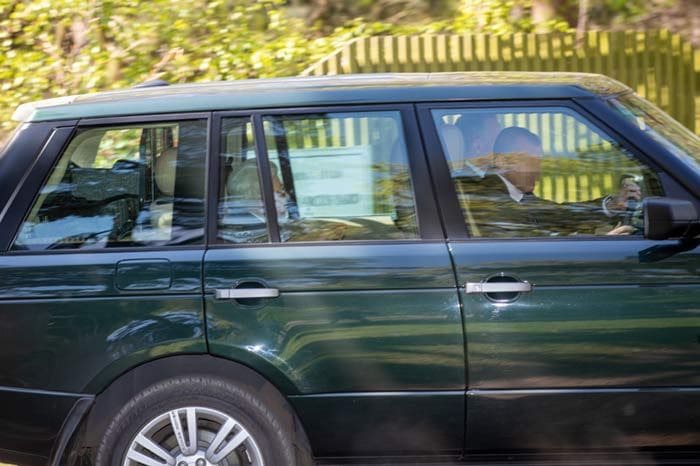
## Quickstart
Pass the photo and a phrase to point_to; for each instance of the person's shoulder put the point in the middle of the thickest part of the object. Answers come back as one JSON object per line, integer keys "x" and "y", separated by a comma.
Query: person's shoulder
{"x": 493, "y": 179}
{"x": 483, "y": 183}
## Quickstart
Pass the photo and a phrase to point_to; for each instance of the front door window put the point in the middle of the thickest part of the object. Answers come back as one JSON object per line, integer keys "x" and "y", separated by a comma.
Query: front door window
{"x": 541, "y": 172}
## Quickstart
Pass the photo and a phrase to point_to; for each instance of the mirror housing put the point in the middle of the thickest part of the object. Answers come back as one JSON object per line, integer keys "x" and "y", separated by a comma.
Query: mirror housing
{"x": 669, "y": 218}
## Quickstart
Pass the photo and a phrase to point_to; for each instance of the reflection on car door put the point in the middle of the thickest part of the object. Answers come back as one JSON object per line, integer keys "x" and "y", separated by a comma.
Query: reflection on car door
{"x": 331, "y": 287}
{"x": 575, "y": 336}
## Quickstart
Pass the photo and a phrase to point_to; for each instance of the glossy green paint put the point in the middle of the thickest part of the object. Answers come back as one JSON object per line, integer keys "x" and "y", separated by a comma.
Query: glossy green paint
{"x": 606, "y": 313}
{"x": 67, "y": 327}
{"x": 322, "y": 90}
{"x": 346, "y": 341}
{"x": 598, "y": 316}
{"x": 349, "y": 317}
{"x": 144, "y": 274}
{"x": 328, "y": 266}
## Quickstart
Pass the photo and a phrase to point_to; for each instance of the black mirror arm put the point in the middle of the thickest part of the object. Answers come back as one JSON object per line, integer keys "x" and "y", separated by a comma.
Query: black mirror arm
{"x": 660, "y": 252}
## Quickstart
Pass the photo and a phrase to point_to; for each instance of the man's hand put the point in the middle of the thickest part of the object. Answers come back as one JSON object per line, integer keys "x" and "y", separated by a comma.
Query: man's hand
{"x": 621, "y": 229}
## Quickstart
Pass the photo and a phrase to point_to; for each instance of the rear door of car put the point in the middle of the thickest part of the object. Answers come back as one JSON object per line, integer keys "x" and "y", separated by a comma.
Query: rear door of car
{"x": 577, "y": 337}
{"x": 101, "y": 265}
{"x": 328, "y": 273}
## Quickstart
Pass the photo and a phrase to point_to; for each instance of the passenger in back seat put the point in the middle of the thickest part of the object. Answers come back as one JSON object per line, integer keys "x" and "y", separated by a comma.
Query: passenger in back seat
{"x": 469, "y": 143}
{"x": 243, "y": 187}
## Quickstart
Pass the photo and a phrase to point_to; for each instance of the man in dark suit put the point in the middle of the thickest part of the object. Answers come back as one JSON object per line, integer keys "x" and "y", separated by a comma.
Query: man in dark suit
{"x": 499, "y": 202}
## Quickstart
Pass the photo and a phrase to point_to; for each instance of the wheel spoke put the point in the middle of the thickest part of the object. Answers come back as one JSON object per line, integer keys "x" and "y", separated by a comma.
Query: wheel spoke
{"x": 234, "y": 443}
{"x": 218, "y": 441}
{"x": 187, "y": 446}
{"x": 143, "y": 459}
{"x": 192, "y": 429}
{"x": 153, "y": 448}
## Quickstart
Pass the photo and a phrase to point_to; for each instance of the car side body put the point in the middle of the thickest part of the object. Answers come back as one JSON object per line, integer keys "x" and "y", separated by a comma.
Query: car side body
{"x": 375, "y": 342}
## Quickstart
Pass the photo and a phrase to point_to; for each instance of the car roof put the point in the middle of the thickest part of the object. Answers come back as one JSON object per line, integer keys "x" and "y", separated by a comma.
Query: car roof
{"x": 321, "y": 90}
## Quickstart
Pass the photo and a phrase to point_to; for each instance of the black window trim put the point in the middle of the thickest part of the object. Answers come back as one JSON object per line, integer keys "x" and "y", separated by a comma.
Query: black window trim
{"x": 451, "y": 212}
{"x": 54, "y": 150}
{"x": 265, "y": 178}
{"x": 30, "y": 183}
{"x": 140, "y": 119}
{"x": 428, "y": 220}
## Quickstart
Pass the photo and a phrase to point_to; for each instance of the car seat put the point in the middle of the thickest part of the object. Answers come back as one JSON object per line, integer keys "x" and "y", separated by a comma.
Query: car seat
{"x": 155, "y": 224}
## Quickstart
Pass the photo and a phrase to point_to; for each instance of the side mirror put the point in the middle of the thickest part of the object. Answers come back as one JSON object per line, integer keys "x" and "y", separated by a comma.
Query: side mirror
{"x": 669, "y": 218}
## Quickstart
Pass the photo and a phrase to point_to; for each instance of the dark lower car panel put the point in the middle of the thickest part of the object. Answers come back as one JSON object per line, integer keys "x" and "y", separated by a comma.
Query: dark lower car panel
{"x": 583, "y": 419}
{"x": 396, "y": 423}
{"x": 30, "y": 423}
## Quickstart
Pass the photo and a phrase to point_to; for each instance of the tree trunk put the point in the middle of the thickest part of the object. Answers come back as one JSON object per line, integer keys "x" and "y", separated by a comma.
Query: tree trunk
{"x": 582, "y": 23}
{"x": 320, "y": 10}
{"x": 543, "y": 11}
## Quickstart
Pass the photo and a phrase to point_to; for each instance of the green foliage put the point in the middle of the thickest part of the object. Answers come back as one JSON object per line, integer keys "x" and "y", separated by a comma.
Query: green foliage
{"x": 611, "y": 11}
{"x": 60, "y": 47}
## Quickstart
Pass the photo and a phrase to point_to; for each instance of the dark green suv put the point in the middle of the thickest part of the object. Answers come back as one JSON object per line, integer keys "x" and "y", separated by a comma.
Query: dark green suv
{"x": 425, "y": 267}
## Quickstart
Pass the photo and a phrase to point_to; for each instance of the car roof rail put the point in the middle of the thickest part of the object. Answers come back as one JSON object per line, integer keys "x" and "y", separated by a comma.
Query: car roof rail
{"x": 152, "y": 83}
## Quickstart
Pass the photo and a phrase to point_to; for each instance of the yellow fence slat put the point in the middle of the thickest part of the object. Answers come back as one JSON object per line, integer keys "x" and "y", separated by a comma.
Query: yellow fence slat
{"x": 660, "y": 66}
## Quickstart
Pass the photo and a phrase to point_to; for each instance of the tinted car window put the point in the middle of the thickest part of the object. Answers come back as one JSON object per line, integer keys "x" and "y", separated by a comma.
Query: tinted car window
{"x": 241, "y": 209}
{"x": 679, "y": 140}
{"x": 541, "y": 172}
{"x": 122, "y": 186}
{"x": 341, "y": 176}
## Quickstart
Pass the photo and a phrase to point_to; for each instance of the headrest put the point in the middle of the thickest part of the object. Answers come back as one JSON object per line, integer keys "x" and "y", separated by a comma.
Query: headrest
{"x": 454, "y": 142}
{"x": 165, "y": 169}
{"x": 243, "y": 181}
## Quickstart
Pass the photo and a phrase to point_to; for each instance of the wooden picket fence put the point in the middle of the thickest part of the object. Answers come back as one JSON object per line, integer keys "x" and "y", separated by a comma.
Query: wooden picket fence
{"x": 660, "y": 66}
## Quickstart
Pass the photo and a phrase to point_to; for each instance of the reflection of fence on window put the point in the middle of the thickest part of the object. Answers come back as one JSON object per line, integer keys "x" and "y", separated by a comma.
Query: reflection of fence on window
{"x": 579, "y": 164}
{"x": 329, "y": 132}
{"x": 341, "y": 176}
{"x": 342, "y": 163}
{"x": 575, "y": 181}
{"x": 561, "y": 134}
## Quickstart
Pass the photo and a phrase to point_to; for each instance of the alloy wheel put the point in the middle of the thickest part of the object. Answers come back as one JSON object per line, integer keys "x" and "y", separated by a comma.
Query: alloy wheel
{"x": 193, "y": 436}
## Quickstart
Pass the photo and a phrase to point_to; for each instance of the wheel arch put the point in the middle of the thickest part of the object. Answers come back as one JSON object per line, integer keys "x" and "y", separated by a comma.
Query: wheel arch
{"x": 116, "y": 393}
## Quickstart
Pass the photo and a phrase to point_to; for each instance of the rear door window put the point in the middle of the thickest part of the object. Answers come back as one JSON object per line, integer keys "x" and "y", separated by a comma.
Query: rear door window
{"x": 120, "y": 186}
{"x": 341, "y": 176}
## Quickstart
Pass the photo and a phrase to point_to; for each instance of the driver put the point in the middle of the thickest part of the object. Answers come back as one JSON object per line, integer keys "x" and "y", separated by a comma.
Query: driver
{"x": 510, "y": 208}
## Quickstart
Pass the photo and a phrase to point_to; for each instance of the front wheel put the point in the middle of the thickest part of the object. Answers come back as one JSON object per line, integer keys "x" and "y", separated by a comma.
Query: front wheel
{"x": 202, "y": 421}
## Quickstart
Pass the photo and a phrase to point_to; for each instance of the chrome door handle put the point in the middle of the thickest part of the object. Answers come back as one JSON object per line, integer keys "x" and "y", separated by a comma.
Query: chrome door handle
{"x": 247, "y": 293}
{"x": 498, "y": 287}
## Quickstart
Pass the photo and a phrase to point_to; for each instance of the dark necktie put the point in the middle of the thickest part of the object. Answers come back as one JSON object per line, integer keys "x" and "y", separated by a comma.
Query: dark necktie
{"x": 527, "y": 198}
{"x": 528, "y": 202}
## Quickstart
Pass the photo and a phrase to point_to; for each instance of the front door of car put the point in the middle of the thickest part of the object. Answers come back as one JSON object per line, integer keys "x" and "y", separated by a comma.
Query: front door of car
{"x": 580, "y": 333}
{"x": 329, "y": 274}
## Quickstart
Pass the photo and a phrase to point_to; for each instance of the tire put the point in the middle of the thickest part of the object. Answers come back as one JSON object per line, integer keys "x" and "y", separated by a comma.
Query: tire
{"x": 258, "y": 424}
